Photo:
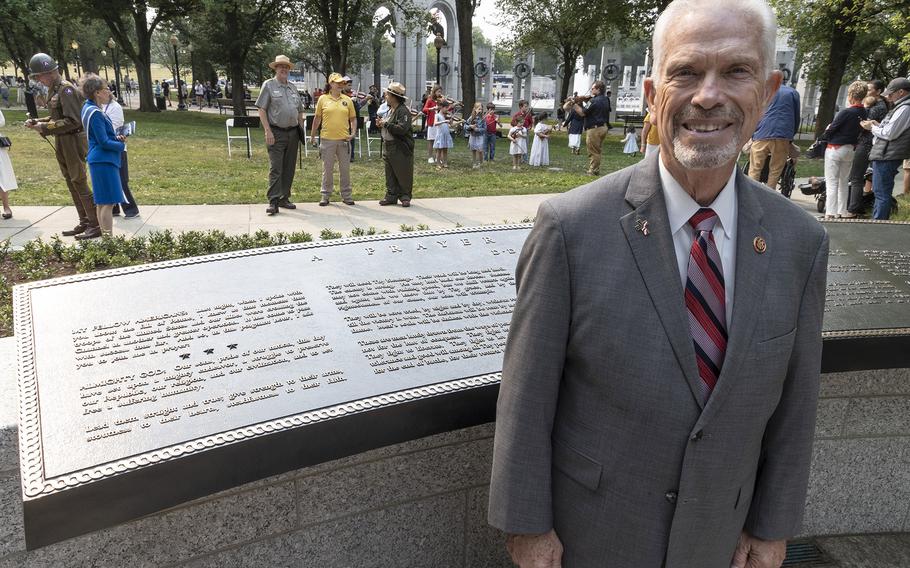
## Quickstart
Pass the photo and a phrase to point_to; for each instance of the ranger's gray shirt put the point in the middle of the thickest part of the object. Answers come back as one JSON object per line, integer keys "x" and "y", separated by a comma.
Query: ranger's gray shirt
{"x": 281, "y": 103}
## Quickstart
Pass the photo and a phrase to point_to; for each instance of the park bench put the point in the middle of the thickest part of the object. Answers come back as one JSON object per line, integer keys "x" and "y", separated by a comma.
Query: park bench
{"x": 226, "y": 106}
{"x": 633, "y": 119}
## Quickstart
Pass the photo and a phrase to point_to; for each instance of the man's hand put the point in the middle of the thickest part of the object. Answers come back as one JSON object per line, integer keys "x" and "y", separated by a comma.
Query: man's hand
{"x": 535, "y": 550}
{"x": 269, "y": 138}
{"x": 754, "y": 552}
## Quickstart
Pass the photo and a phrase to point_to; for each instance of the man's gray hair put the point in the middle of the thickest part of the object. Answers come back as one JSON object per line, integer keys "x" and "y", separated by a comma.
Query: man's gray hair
{"x": 91, "y": 84}
{"x": 757, "y": 9}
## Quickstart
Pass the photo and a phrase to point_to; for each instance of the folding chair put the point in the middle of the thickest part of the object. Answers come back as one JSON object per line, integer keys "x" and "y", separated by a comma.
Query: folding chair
{"x": 370, "y": 139}
{"x": 245, "y": 122}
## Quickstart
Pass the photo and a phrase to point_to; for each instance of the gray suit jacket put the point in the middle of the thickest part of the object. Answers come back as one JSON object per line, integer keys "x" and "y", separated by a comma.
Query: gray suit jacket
{"x": 601, "y": 433}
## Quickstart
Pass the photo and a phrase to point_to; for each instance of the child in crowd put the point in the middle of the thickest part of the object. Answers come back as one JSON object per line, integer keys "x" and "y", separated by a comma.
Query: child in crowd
{"x": 540, "y": 145}
{"x": 443, "y": 136}
{"x": 631, "y": 142}
{"x": 518, "y": 135}
{"x": 575, "y": 125}
{"x": 476, "y": 127}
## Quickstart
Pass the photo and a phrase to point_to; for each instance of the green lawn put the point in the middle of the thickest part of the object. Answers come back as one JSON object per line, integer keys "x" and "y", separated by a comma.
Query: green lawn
{"x": 181, "y": 158}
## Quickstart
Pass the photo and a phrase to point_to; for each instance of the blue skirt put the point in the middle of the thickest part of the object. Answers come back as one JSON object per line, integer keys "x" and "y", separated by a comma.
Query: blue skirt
{"x": 106, "y": 188}
{"x": 443, "y": 137}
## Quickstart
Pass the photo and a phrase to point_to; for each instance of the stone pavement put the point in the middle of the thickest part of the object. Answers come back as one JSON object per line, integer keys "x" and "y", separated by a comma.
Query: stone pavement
{"x": 31, "y": 222}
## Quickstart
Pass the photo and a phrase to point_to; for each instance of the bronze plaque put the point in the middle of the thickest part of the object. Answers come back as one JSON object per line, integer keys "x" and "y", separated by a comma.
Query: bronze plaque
{"x": 867, "y": 301}
{"x": 128, "y": 369}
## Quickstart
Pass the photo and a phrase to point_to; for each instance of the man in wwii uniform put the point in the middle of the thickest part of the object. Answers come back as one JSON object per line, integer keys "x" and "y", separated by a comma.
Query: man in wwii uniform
{"x": 660, "y": 379}
{"x": 281, "y": 115}
{"x": 65, "y": 125}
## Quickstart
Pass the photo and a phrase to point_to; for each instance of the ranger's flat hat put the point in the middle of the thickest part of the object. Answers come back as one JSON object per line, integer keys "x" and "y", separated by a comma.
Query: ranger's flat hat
{"x": 281, "y": 60}
{"x": 396, "y": 89}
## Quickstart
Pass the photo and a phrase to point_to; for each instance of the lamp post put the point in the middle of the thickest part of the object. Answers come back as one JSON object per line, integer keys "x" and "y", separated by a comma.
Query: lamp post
{"x": 75, "y": 46}
{"x": 189, "y": 47}
{"x": 439, "y": 42}
{"x": 180, "y": 103}
{"x": 113, "y": 45}
{"x": 104, "y": 64}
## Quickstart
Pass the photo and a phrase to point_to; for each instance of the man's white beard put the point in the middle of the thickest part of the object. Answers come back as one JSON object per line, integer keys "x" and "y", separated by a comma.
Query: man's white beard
{"x": 705, "y": 156}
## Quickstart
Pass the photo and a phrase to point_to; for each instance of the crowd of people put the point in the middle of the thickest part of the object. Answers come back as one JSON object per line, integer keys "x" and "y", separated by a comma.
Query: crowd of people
{"x": 870, "y": 138}
{"x": 334, "y": 127}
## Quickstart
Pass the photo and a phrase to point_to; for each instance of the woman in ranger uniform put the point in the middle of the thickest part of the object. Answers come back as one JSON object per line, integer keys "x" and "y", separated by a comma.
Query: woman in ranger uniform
{"x": 399, "y": 148}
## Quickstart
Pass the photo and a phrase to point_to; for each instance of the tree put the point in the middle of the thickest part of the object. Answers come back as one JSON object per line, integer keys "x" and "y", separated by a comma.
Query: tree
{"x": 566, "y": 29}
{"x": 464, "y": 18}
{"x": 834, "y": 38}
{"x": 382, "y": 25}
{"x": 23, "y": 37}
{"x": 132, "y": 24}
{"x": 503, "y": 59}
{"x": 233, "y": 30}
{"x": 336, "y": 35}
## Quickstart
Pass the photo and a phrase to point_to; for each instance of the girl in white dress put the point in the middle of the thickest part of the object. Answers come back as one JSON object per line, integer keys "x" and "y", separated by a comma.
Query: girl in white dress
{"x": 7, "y": 176}
{"x": 540, "y": 145}
{"x": 518, "y": 136}
{"x": 443, "y": 140}
{"x": 631, "y": 142}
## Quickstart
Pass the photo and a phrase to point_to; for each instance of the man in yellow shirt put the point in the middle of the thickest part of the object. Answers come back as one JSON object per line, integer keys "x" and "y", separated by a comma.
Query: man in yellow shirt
{"x": 336, "y": 116}
{"x": 650, "y": 138}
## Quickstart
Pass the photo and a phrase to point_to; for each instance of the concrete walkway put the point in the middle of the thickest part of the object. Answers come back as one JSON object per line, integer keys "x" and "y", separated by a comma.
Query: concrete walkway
{"x": 32, "y": 222}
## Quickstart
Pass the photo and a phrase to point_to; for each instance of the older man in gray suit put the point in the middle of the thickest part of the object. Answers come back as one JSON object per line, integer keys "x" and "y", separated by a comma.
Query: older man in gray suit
{"x": 660, "y": 380}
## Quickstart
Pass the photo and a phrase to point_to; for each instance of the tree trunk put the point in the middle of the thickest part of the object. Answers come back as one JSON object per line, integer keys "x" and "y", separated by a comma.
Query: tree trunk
{"x": 143, "y": 62}
{"x": 797, "y": 67}
{"x": 464, "y": 15}
{"x": 568, "y": 70}
{"x": 844, "y": 35}
{"x": 237, "y": 82}
{"x": 238, "y": 56}
{"x": 377, "y": 63}
{"x": 61, "y": 51}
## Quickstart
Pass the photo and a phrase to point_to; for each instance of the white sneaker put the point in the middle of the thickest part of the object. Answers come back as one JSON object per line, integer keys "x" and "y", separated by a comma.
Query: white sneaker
{"x": 431, "y": 161}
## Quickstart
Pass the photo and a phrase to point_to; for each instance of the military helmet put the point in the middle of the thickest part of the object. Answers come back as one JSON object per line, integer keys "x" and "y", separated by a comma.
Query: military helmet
{"x": 41, "y": 63}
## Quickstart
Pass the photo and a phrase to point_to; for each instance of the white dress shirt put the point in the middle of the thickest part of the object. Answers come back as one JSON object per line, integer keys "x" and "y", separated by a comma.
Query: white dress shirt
{"x": 681, "y": 207}
{"x": 114, "y": 111}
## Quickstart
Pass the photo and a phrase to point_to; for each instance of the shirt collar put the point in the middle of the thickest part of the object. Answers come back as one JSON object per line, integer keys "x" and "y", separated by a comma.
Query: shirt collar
{"x": 681, "y": 206}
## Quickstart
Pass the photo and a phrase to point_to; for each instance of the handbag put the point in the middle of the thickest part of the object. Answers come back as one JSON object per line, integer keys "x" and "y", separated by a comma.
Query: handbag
{"x": 817, "y": 149}
{"x": 5, "y": 142}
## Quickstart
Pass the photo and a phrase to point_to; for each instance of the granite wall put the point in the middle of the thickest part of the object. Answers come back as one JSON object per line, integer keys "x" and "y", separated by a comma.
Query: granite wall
{"x": 423, "y": 503}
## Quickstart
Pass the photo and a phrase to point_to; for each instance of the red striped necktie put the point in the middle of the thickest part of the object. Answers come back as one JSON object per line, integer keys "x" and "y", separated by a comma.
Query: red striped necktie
{"x": 706, "y": 301}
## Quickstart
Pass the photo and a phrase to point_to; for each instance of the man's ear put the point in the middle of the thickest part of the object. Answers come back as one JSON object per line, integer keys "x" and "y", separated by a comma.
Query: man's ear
{"x": 650, "y": 92}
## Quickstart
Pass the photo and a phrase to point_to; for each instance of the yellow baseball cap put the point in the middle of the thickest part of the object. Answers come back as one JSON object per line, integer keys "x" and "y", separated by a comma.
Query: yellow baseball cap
{"x": 336, "y": 78}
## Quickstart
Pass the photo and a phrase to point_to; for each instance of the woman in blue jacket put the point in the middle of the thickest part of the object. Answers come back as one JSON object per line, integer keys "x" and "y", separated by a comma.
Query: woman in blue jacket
{"x": 104, "y": 149}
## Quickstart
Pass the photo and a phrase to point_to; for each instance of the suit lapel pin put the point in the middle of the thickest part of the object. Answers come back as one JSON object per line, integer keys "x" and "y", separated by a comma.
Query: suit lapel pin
{"x": 759, "y": 245}
{"x": 642, "y": 225}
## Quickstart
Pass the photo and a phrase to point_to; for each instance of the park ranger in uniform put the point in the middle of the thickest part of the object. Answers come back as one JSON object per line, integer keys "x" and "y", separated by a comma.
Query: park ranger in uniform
{"x": 281, "y": 114}
{"x": 65, "y": 125}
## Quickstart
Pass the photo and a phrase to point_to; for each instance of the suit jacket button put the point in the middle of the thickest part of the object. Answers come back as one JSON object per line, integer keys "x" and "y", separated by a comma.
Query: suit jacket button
{"x": 670, "y": 496}
{"x": 697, "y": 436}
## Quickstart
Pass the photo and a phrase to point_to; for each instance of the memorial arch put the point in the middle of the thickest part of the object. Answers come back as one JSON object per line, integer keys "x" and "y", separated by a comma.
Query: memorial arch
{"x": 410, "y": 65}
